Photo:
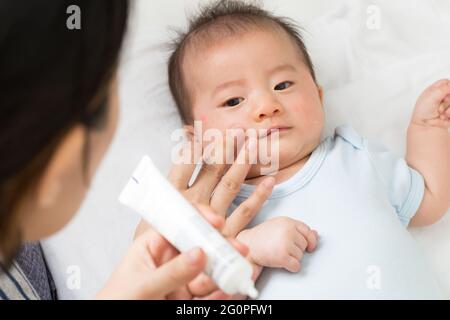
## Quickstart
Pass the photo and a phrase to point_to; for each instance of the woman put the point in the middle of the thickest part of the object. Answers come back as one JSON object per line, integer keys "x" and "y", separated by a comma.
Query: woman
{"x": 59, "y": 113}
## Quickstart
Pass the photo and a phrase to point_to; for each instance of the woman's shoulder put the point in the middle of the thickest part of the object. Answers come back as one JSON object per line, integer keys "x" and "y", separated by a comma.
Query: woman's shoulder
{"x": 14, "y": 285}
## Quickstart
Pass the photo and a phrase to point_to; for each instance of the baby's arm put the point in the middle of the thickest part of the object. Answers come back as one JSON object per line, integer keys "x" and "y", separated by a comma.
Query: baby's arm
{"x": 278, "y": 243}
{"x": 428, "y": 151}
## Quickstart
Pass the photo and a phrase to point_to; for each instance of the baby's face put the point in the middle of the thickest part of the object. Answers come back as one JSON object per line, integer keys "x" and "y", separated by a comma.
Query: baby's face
{"x": 257, "y": 80}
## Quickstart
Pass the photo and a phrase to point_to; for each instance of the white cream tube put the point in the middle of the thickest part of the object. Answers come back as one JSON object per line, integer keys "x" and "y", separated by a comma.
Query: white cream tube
{"x": 160, "y": 204}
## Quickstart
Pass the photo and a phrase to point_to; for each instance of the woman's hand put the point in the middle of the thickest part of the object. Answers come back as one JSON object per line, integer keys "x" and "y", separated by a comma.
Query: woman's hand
{"x": 153, "y": 269}
{"x": 216, "y": 187}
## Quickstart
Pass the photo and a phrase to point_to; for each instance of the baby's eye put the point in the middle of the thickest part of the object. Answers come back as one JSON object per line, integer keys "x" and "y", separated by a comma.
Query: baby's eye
{"x": 232, "y": 102}
{"x": 283, "y": 85}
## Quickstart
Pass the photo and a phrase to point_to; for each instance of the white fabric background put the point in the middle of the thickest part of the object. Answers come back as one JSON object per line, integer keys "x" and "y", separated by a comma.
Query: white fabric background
{"x": 371, "y": 79}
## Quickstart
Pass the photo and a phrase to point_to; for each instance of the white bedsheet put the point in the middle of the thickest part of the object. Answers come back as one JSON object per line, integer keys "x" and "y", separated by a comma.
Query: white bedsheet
{"x": 373, "y": 58}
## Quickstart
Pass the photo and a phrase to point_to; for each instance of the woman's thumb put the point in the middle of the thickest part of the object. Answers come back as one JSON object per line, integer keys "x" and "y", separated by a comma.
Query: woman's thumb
{"x": 175, "y": 273}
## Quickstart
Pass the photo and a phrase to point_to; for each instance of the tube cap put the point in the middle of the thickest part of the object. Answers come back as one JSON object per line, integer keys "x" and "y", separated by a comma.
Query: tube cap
{"x": 248, "y": 289}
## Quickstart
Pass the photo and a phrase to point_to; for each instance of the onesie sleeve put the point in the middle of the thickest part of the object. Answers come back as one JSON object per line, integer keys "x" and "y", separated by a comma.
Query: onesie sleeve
{"x": 405, "y": 186}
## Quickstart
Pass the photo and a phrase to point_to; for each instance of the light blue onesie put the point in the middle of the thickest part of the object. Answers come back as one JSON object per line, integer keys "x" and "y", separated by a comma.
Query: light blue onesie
{"x": 360, "y": 198}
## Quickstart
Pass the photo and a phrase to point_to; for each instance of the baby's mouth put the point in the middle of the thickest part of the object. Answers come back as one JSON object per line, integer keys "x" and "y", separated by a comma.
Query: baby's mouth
{"x": 263, "y": 133}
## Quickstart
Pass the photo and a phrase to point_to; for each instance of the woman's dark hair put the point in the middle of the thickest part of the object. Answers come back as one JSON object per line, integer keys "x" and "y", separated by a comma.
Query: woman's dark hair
{"x": 51, "y": 78}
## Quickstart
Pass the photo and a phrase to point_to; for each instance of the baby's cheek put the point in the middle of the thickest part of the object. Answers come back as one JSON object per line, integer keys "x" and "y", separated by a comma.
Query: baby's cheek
{"x": 309, "y": 108}
{"x": 206, "y": 121}
{"x": 302, "y": 110}
{"x": 221, "y": 124}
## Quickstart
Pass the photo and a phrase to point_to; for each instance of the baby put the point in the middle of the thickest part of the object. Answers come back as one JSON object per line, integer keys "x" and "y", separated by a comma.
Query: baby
{"x": 239, "y": 66}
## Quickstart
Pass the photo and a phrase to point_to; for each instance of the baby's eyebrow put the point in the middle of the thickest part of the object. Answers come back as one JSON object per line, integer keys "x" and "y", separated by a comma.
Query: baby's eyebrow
{"x": 282, "y": 67}
{"x": 239, "y": 82}
{"x": 228, "y": 84}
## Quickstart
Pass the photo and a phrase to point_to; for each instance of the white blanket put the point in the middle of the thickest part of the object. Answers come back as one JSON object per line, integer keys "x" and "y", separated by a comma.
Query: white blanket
{"x": 373, "y": 58}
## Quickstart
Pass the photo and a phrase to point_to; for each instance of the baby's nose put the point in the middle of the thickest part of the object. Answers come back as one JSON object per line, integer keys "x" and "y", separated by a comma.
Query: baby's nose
{"x": 267, "y": 111}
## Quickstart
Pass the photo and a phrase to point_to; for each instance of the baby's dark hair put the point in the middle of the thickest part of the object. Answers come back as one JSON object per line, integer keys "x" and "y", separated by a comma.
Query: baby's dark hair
{"x": 215, "y": 20}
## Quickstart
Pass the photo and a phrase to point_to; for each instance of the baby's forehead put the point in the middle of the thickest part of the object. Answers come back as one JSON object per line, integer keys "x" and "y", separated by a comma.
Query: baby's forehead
{"x": 202, "y": 40}
{"x": 202, "y": 47}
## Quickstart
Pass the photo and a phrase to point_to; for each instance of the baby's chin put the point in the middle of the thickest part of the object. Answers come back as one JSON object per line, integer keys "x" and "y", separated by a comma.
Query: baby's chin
{"x": 282, "y": 168}
{"x": 259, "y": 171}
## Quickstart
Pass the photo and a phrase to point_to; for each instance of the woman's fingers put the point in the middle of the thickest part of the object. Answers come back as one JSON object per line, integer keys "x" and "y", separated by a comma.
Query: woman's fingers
{"x": 183, "y": 167}
{"x": 248, "y": 209}
{"x": 213, "y": 168}
{"x": 175, "y": 273}
{"x": 181, "y": 293}
{"x": 216, "y": 295}
{"x": 163, "y": 251}
{"x": 159, "y": 249}
{"x": 230, "y": 184}
{"x": 218, "y": 222}
{"x": 141, "y": 228}
{"x": 241, "y": 248}
{"x": 203, "y": 285}
{"x": 207, "y": 179}
{"x": 217, "y": 158}
{"x": 175, "y": 270}
{"x": 210, "y": 215}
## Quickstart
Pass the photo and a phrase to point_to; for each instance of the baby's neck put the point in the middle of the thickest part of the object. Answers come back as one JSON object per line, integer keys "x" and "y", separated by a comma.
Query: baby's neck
{"x": 282, "y": 174}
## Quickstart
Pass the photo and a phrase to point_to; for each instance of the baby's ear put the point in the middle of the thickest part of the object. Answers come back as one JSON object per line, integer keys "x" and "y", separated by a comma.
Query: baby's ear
{"x": 320, "y": 90}
{"x": 189, "y": 132}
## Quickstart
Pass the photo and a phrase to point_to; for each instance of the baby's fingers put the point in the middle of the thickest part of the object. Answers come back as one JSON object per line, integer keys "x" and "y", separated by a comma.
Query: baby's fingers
{"x": 438, "y": 92}
{"x": 300, "y": 241}
{"x": 315, "y": 236}
{"x": 292, "y": 264}
{"x": 296, "y": 252}
{"x": 444, "y": 108}
{"x": 445, "y": 104}
{"x": 310, "y": 235}
{"x": 439, "y": 83}
{"x": 444, "y": 113}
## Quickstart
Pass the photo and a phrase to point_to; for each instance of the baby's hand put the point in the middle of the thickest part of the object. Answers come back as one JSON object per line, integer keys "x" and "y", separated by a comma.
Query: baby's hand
{"x": 433, "y": 106}
{"x": 279, "y": 243}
